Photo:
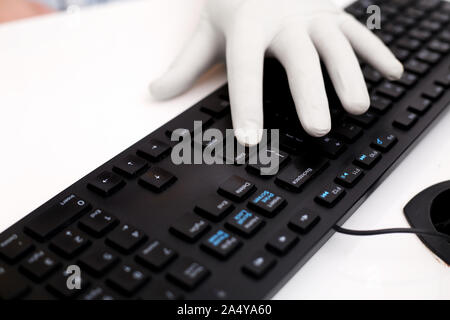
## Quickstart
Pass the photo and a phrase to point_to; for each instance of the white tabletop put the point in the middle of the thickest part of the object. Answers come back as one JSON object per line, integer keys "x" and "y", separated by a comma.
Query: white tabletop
{"x": 73, "y": 94}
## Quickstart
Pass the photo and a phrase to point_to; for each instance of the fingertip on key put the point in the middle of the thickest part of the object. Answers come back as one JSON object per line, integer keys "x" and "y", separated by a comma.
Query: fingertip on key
{"x": 317, "y": 124}
{"x": 356, "y": 104}
{"x": 395, "y": 71}
{"x": 248, "y": 136}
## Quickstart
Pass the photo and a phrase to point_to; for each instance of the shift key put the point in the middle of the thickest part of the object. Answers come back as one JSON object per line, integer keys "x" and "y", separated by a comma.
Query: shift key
{"x": 56, "y": 217}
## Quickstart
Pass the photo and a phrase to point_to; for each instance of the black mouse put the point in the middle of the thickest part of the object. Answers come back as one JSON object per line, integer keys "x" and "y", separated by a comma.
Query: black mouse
{"x": 430, "y": 210}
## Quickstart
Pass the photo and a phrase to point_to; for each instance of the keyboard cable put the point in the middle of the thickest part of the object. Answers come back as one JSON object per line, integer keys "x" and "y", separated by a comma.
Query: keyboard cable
{"x": 422, "y": 232}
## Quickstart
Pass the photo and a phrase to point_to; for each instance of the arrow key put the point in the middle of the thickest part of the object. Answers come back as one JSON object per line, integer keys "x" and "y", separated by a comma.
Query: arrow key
{"x": 106, "y": 183}
{"x": 157, "y": 179}
{"x": 130, "y": 166}
{"x": 126, "y": 238}
{"x": 282, "y": 241}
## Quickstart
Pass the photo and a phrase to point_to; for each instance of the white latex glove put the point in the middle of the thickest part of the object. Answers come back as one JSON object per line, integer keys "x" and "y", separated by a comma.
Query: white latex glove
{"x": 296, "y": 32}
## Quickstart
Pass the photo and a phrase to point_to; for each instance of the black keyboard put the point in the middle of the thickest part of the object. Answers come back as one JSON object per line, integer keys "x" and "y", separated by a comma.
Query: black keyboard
{"x": 141, "y": 227}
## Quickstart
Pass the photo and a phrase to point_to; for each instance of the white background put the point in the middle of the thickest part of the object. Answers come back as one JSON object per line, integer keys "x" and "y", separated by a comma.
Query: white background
{"x": 73, "y": 94}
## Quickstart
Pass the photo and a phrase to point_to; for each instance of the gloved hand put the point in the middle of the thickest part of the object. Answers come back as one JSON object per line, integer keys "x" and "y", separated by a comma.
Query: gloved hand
{"x": 296, "y": 32}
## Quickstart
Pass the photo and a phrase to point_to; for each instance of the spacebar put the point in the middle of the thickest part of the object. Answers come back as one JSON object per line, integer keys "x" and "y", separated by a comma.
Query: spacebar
{"x": 56, "y": 217}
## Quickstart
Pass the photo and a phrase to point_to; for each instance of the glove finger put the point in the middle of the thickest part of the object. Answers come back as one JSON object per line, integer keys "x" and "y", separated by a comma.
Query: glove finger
{"x": 342, "y": 65}
{"x": 201, "y": 53}
{"x": 245, "y": 61}
{"x": 294, "y": 49}
{"x": 370, "y": 48}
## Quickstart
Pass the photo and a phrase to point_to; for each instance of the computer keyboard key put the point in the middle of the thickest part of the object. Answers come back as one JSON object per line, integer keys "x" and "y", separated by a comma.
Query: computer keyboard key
{"x": 347, "y": 131}
{"x": 330, "y": 195}
{"x": 439, "y": 46}
{"x": 156, "y": 255}
{"x": 384, "y": 142}
{"x": 445, "y": 7}
{"x": 420, "y": 105}
{"x": 368, "y": 158}
{"x": 14, "y": 246}
{"x": 416, "y": 66}
{"x": 187, "y": 273}
{"x": 106, "y": 183}
{"x": 154, "y": 150}
{"x": 328, "y": 146}
{"x": 244, "y": 223}
{"x": 214, "y": 207}
{"x": 58, "y": 285}
{"x": 387, "y": 38}
{"x": 39, "y": 265}
{"x": 350, "y": 176}
{"x": 419, "y": 34}
{"x": 445, "y": 35}
{"x": 237, "y": 188}
{"x": 408, "y": 79}
{"x": 221, "y": 244}
{"x": 433, "y": 92}
{"x": 267, "y": 203}
{"x": 408, "y": 43}
{"x": 302, "y": 170}
{"x": 441, "y": 17}
{"x": 215, "y": 107}
{"x": 430, "y": 25}
{"x": 130, "y": 166}
{"x": 399, "y": 53}
{"x": 56, "y": 217}
{"x": 428, "y": 56}
{"x": 259, "y": 264}
{"x": 99, "y": 293}
{"x": 391, "y": 90}
{"x": 98, "y": 223}
{"x": 405, "y": 120}
{"x": 427, "y": 5}
{"x": 370, "y": 74}
{"x": 274, "y": 160}
{"x": 414, "y": 13}
{"x": 69, "y": 243}
{"x": 379, "y": 104}
{"x": 126, "y": 238}
{"x": 12, "y": 284}
{"x": 444, "y": 80}
{"x": 190, "y": 227}
{"x": 127, "y": 279}
{"x": 283, "y": 241}
{"x": 157, "y": 179}
{"x": 98, "y": 260}
{"x": 291, "y": 143}
{"x": 304, "y": 221}
{"x": 365, "y": 120}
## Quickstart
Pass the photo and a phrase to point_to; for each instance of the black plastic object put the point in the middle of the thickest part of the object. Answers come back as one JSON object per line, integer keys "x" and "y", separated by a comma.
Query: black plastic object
{"x": 142, "y": 230}
{"x": 430, "y": 210}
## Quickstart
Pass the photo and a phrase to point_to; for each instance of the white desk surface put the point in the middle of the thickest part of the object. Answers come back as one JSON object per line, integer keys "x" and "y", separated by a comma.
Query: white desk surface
{"x": 73, "y": 94}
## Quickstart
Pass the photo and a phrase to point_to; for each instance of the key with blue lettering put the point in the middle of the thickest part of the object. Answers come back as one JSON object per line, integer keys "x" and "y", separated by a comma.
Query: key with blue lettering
{"x": 368, "y": 158}
{"x": 267, "y": 203}
{"x": 384, "y": 142}
{"x": 245, "y": 223}
{"x": 330, "y": 195}
{"x": 221, "y": 244}
{"x": 349, "y": 176}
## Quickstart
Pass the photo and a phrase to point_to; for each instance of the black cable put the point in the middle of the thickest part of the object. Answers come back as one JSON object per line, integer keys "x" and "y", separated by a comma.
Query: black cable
{"x": 422, "y": 232}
